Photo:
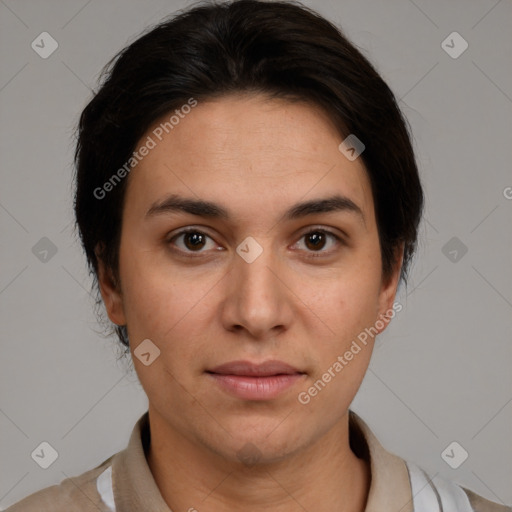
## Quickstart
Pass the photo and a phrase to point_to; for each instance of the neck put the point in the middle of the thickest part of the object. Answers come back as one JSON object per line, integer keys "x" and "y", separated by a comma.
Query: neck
{"x": 326, "y": 476}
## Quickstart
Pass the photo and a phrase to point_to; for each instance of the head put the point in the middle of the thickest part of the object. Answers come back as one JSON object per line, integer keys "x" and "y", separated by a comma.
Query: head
{"x": 228, "y": 121}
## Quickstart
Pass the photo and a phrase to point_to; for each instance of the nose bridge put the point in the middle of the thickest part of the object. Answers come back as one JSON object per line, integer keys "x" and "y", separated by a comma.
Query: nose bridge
{"x": 257, "y": 297}
{"x": 255, "y": 280}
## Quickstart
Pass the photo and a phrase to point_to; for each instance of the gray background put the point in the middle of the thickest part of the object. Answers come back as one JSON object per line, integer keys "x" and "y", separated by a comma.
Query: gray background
{"x": 441, "y": 372}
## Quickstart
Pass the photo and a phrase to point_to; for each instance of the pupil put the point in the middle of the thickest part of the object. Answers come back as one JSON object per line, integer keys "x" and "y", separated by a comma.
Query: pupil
{"x": 194, "y": 240}
{"x": 317, "y": 240}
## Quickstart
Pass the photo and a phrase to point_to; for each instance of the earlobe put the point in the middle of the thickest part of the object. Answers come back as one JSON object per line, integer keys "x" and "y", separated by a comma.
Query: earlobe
{"x": 110, "y": 293}
{"x": 388, "y": 290}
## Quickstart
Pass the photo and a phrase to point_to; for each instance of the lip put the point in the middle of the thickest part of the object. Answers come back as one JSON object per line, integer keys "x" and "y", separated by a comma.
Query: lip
{"x": 255, "y": 381}
{"x": 247, "y": 369}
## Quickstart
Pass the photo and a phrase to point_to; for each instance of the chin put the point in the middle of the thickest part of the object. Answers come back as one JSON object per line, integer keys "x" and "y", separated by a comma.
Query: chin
{"x": 260, "y": 442}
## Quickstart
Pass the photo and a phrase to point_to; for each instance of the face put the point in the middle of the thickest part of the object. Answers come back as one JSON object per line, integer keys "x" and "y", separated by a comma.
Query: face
{"x": 256, "y": 308}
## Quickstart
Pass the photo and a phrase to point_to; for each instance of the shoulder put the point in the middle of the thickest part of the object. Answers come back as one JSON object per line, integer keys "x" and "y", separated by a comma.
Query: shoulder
{"x": 399, "y": 484}
{"x": 480, "y": 504}
{"x": 437, "y": 493}
{"x": 75, "y": 494}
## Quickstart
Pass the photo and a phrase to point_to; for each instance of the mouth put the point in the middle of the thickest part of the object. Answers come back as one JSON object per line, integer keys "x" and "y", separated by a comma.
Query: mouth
{"x": 250, "y": 381}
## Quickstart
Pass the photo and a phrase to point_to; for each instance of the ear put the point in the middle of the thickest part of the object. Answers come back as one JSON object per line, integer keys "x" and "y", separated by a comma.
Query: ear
{"x": 388, "y": 289}
{"x": 110, "y": 292}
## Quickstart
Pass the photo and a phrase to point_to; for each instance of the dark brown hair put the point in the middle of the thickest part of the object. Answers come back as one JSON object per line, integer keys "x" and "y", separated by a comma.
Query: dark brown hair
{"x": 281, "y": 49}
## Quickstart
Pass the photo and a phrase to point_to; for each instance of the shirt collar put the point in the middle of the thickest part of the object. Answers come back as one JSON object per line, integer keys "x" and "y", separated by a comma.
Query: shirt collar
{"x": 135, "y": 488}
{"x": 390, "y": 488}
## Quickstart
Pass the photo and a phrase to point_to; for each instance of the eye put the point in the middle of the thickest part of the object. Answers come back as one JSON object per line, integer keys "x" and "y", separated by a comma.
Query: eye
{"x": 191, "y": 240}
{"x": 317, "y": 239}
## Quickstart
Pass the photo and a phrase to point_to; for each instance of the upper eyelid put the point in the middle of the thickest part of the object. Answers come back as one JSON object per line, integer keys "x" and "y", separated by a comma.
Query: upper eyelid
{"x": 205, "y": 229}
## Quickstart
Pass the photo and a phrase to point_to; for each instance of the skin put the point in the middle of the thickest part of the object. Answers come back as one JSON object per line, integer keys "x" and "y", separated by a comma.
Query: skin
{"x": 256, "y": 157}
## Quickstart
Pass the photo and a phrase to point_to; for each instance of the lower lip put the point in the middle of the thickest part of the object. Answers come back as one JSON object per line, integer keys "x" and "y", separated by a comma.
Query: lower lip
{"x": 256, "y": 388}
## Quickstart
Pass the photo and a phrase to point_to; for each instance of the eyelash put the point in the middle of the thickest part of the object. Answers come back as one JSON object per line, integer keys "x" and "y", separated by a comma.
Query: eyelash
{"x": 313, "y": 254}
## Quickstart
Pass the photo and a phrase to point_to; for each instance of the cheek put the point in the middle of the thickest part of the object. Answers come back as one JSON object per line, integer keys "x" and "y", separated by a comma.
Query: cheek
{"x": 348, "y": 306}
{"x": 161, "y": 311}
{"x": 342, "y": 358}
{"x": 172, "y": 317}
{"x": 348, "y": 303}
{"x": 166, "y": 306}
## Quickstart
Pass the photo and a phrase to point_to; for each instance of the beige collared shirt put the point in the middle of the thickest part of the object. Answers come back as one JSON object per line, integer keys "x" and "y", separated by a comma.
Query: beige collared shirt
{"x": 124, "y": 483}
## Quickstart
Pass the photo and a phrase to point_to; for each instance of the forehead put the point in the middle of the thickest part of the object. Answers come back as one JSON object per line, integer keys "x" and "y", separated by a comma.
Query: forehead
{"x": 250, "y": 152}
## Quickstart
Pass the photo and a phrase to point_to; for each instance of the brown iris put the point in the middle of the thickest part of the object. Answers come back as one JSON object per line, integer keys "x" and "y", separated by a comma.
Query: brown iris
{"x": 194, "y": 240}
{"x": 315, "y": 240}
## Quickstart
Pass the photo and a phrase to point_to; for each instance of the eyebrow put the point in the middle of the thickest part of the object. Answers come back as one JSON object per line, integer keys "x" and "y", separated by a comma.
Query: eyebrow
{"x": 202, "y": 208}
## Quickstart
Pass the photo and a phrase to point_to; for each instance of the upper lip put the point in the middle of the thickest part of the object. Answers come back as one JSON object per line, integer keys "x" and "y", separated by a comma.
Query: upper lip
{"x": 246, "y": 368}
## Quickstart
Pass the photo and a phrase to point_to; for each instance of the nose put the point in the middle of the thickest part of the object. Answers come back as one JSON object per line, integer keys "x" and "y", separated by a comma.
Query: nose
{"x": 258, "y": 299}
